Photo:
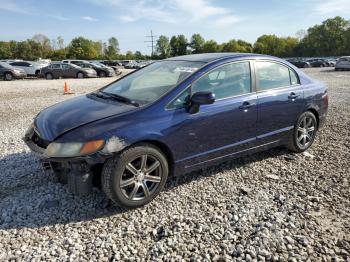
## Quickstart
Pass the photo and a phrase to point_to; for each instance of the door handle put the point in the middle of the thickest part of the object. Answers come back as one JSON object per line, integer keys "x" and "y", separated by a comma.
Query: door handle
{"x": 293, "y": 96}
{"x": 246, "y": 105}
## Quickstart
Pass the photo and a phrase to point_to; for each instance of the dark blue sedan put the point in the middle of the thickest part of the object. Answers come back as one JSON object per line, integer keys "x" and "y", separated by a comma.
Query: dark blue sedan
{"x": 175, "y": 116}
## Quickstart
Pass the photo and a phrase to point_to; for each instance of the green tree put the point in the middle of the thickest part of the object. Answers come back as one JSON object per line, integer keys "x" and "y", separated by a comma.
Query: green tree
{"x": 82, "y": 48}
{"x": 211, "y": 46}
{"x": 129, "y": 55}
{"x": 5, "y": 50}
{"x": 163, "y": 47}
{"x": 178, "y": 45}
{"x": 327, "y": 39}
{"x": 112, "y": 49}
{"x": 44, "y": 42}
{"x": 60, "y": 42}
{"x": 197, "y": 44}
{"x": 138, "y": 55}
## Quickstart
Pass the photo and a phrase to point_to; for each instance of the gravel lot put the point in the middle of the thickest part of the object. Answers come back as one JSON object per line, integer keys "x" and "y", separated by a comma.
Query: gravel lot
{"x": 268, "y": 206}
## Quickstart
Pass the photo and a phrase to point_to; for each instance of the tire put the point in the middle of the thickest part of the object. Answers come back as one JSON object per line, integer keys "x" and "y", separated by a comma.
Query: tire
{"x": 306, "y": 66}
{"x": 80, "y": 75}
{"x": 301, "y": 138}
{"x": 8, "y": 76}
{"x": 48, "y": 76}
{"x": 126, "y": 168}
{"x": 102, "y": 74}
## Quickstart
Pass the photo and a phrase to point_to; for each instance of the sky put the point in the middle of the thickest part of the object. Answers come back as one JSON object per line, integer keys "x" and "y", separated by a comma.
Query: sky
{"x": 131, "y": 20}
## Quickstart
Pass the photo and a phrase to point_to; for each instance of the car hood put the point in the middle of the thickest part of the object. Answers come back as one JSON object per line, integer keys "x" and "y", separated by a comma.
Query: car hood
{"x": 62, "y": 117}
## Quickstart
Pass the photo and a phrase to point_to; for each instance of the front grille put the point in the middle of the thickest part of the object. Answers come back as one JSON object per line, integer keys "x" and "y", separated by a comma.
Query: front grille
{"x": 39, "y": 141}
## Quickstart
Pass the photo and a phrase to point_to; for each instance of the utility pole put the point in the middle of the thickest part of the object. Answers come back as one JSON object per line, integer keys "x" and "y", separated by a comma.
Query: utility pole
{"x": 152, "y": 41}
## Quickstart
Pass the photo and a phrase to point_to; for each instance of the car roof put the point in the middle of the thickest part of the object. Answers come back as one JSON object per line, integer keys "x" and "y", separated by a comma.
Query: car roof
{"x": 209, "y": 57}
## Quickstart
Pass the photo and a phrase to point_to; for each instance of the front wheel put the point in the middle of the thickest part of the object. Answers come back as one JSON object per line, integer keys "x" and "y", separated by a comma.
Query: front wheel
{"x": 102, "y": 74}
{"x": 304, "y": 133}
{"x": 48, "y": 76}
{"x": 136, "y": 176}
{"x": 8, "y": 77}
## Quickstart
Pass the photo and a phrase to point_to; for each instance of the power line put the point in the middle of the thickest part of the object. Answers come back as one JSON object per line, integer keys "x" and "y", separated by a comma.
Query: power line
{"x": 152, "y": 41}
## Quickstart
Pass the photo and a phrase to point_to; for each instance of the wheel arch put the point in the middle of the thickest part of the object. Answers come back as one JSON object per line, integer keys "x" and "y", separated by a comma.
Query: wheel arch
{"x": 163, "y": 148}
{"x": 314, "y": 111}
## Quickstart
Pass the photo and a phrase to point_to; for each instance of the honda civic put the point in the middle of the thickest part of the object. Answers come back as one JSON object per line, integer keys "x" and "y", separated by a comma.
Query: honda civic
{"x": 175, "y": 116}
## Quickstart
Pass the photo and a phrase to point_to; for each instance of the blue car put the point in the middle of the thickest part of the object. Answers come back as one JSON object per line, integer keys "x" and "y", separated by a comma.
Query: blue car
{"x": 174, "y": 116}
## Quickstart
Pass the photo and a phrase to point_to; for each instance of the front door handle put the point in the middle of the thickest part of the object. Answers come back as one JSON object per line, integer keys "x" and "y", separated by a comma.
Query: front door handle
{"x": 246, "y": 105}
{"x": 293, "y": 96}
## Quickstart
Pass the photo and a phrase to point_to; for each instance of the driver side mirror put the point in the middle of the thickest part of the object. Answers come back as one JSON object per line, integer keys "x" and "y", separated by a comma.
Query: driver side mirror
{"x": 198, "y": 99}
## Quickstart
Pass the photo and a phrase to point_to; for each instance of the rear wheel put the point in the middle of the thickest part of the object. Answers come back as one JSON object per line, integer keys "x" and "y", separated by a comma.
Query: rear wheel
{"x": 48, "y": 76}
{"x": 102, "y": 74}
{"x": 8, "y": 76}
{"x": 304, "y": 133}
{"x": 136, "y": 176}
{"x": 80, "y": 75}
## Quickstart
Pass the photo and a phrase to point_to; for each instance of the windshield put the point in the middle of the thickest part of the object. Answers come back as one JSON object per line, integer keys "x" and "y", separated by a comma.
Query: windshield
{"x": 98, "y": 64}
{"x": 150, "y": 83}
{"x": 74, "y": 65}
{"x": 5, "y": 65}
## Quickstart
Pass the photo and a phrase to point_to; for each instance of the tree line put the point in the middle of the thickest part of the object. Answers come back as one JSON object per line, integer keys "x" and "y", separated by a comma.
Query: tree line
{"x": 331, "y": 38}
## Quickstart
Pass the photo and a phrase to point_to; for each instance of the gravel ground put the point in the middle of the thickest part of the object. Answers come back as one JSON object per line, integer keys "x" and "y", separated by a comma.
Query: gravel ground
{"x": 268, "y": 206}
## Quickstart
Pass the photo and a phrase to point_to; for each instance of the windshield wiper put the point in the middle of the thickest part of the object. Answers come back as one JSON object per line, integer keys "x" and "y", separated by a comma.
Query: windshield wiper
{"x": 120, "y": 98}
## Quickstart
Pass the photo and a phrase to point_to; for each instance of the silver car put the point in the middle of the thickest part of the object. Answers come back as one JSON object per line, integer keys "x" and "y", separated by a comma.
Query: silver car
{"x": 31, "y": 68}
{"x": 343, "y": 63}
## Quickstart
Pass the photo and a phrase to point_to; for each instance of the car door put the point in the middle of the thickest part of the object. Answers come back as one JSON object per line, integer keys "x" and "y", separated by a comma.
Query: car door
{"x": 56, "y": 70}
{"x": 226, "y": 127}
{"x": 66, "y": 70}
{"x": 280, "y": 100}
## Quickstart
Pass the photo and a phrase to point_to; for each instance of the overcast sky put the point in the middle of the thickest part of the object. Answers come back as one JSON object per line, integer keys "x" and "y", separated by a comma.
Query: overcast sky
{"x": 131, "y": 20}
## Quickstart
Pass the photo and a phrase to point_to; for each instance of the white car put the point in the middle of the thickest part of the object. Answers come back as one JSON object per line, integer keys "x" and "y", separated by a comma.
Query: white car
{"x": 343, "y": 63}
{"x": 31, "y": 68}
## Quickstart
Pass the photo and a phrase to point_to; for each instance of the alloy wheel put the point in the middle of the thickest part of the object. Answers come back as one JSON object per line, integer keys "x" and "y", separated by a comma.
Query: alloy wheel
{"x": 306, "y": 132}
{"x": 141, "y": 177}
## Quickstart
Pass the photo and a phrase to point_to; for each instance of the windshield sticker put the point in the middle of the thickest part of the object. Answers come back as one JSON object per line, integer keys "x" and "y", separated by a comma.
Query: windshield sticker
{"x": 186, "y": 69}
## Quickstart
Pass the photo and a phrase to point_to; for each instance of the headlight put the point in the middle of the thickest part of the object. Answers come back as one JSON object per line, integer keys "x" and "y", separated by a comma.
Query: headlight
{"x": 73, "y": 149}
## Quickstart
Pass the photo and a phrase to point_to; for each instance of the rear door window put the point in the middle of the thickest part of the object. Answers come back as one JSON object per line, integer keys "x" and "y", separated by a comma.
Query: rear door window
{"x": 270, "y": 75}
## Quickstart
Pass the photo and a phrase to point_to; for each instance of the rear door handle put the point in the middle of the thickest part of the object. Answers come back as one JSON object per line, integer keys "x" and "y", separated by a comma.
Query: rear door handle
{"x": 246, "y": 105}
{"x": 293, "y": 96}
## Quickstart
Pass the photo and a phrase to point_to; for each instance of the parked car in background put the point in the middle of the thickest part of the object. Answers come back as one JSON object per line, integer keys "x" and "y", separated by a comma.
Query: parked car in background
{"x": 64, "y": 70}
{"x": 331, "y": 62}
{"x": 8, "y": 72}
{"x": 31, "y": 68}
{"x": 113, "y": 64}
{"x": 101, "y": 70}
{"x": 343, "y": 63}
{"x": 132, "y": 65}
{"x": 299, "y": 63}
{"x": 125, "y": 62}
{"x": 175, "y": 116}
{"x": 317, "y": 62}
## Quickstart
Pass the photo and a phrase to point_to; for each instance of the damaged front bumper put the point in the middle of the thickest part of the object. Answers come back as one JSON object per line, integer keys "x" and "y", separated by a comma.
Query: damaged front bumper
{"x": 79, "y": 175}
